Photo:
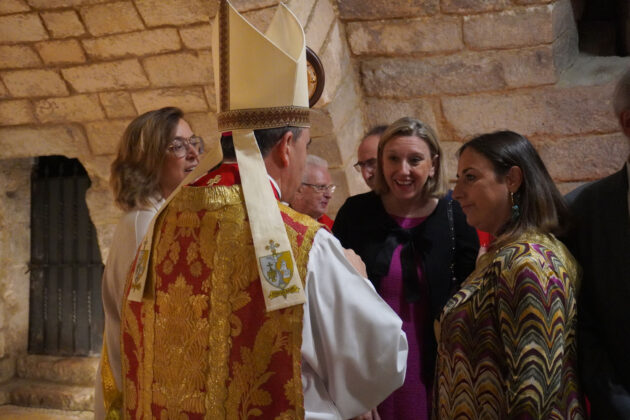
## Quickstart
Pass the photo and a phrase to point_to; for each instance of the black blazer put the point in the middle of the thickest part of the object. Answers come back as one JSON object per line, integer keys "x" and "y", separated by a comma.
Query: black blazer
{"x": 363, "y": 225}
{"x": 600, "y": 241}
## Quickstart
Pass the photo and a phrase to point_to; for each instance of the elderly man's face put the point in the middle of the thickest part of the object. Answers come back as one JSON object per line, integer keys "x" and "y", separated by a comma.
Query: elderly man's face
{"x": 311, "y": 197}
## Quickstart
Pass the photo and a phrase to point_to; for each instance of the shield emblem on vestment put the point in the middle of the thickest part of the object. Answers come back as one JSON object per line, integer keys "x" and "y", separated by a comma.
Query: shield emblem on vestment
{"x": 277, "y": 268}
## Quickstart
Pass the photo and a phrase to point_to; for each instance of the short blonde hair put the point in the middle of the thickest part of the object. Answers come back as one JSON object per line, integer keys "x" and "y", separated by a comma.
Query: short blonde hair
{"x": 407, "y": 126}
{"x": 135, "y": 173}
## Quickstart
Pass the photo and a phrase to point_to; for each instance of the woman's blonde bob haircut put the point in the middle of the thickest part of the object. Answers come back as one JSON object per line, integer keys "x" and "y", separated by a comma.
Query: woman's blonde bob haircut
{"x": 435, "y": 186}
{"x": 135, "y": 173}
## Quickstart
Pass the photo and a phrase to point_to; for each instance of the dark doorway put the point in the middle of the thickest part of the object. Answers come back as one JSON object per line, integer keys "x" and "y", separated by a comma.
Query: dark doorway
{"x": 603, "y": 26}
{"x": 65, "y": 312}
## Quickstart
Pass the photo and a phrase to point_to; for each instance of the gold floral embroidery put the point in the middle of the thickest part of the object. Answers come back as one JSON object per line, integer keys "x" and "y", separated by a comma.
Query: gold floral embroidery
{"x": 245, "y": 395}
{"x": 180, "y": 340}
{"x": 218, "y": 217}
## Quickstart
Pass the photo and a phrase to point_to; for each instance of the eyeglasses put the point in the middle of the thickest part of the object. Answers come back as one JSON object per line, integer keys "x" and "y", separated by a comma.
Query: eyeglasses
{"x": 178, "y": 145}
{"x": 322, "y": 188}
{"x": 367, "y": 164}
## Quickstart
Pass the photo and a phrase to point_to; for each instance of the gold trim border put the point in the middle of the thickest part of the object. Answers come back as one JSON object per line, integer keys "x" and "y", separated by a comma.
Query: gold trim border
{"x": 259, "y": 118}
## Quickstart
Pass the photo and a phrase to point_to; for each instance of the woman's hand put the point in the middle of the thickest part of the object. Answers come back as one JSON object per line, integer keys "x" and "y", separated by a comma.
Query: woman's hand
{"x": 356, "y": 261}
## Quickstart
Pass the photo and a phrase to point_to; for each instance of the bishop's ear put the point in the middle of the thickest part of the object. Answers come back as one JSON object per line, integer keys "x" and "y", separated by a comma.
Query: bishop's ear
{"x": 283, "y": 149}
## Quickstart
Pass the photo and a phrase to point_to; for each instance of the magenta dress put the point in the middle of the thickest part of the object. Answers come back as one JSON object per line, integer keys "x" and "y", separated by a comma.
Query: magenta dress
{"x": 413, "y": 399}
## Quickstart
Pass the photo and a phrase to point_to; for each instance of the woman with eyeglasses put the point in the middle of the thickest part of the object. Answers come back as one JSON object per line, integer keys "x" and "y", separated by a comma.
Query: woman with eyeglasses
{"x": 417, "y": 248}
{"x": 157, "y": 150}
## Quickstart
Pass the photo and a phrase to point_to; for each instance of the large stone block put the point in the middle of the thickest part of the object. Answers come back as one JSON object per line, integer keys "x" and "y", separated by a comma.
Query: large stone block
{"x": 584, "y": 158}
{"x": 319, "y": 24}
{"x": 3, "y": 91}
{"x": 301, "y": 9}
{"x": 21, "y": 28}
{"x": 348, "y": 137}
{"x": 111, "y": 18}
{"x": 117, "y": 104}
{"x": 104, "y": 136}
{"x": 16, "y": 112}
{"x": 321, "y": 123}
{"x": 510, "y": 28}
{"x": 347, "y": 102}
{"x": 386, "y": 111}
{"x": 191, "y": 99}
{"x": 260, "y": 18}
{"x": 155, "y": 41}
{"x": 34, "y": 83}
{"x": 211, "y": 95}
{"x": 115, "y": 75}
{"x": 338, "y": 178}
{"x": 63, "y": 24}
{"x": 159, "y": 12}
{"x": 408, "y": 36}
{"x": 558, "y": 111}
{"x": 18, "y": 56}
{"x": 246, "y": 5}
{"x": 336, "y": 61}
{"x": 60, "y": 370}
{"x": 69, "y": 109}
{"x": 412, "y": 77}
{"x": 449, "y": 160}
{"x": 567, "y": 187}
{"x": 197, "y": 37}
{"x": 327, "y": 148}
{"x": 472, "y": 6}
{"x": 566, "y": 43}
{"x": 180, "y": 69}
{"x": 43, "y": 140}
{"x": 562, "y": 17}
{"x": 527, "y": 67}
{"x": 56, "y": 4}
{"x": 382, "y": 9}
{"x": 60, "y": 52}
{"x": 13, "y": 6}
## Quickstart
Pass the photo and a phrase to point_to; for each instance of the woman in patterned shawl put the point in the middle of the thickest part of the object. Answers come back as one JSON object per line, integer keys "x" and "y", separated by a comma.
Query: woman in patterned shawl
{"x": 506, "y": 340}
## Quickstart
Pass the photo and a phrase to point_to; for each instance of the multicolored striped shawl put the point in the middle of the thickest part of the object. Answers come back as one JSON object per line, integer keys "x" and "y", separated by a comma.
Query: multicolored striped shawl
{"x": 507, "y": 339}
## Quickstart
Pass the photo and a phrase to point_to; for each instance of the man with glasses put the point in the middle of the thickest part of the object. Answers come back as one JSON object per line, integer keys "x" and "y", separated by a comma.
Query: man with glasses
{"x": 314, "y": 194}
{"x": 366, "y": 154}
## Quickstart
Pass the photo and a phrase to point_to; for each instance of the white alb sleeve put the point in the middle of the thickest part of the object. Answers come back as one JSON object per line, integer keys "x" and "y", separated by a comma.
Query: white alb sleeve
{"x": 353, "y": 343}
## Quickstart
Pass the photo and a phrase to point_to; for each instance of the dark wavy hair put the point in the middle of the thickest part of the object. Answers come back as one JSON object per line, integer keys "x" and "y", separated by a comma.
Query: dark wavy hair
{"x": 542, "y": 207}
{"x": 135, "y": 173}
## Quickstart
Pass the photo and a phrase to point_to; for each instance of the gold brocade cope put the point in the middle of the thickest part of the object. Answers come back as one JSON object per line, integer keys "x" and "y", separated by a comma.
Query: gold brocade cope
{"x": 112, "y": 397}
{"x": 201, "y": 345}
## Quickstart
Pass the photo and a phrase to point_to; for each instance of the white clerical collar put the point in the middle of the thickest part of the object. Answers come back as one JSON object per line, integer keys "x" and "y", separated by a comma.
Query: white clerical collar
{"x": 275, "y": 187}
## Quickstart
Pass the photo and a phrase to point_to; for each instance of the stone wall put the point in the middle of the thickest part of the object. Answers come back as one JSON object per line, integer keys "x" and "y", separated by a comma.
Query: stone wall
{"x": 15, "y": 247}
{"x": 73, "y": 73}
{"x": 468, "y": 66}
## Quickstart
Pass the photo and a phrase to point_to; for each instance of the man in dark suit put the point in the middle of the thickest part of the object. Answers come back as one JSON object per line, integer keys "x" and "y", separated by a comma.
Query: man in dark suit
{"x": 600, "y": 240}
